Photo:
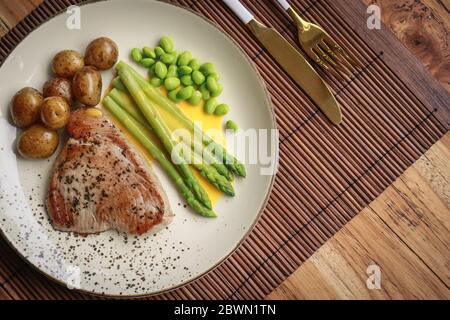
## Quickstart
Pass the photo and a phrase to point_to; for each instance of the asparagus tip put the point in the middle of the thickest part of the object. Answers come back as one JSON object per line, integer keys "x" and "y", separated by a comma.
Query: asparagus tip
{"x": 120, "y": 65}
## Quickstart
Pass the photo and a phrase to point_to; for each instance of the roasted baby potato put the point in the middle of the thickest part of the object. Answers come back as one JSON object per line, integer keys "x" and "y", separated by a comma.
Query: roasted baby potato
{"x": 37, "y": 142}
{"x": 101, "y": 53}
{"x": 59, "y": 87}
{"x": 55, "y": 112}
{"x": 26, "y": 107}
{"x": 67, "y": 63}
{"x": 87, "y": 86}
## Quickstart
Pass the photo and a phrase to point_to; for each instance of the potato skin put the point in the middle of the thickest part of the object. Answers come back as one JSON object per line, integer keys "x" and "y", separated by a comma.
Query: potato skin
{"x": 55, "y": 112}
{"x": 58, "y": 87}
{"x": 87, "y": 86}
{"x": 37, "y": 142}
{"x": 26, "y": 107}
{"x": 67, "y": 63}
{"x": 101, "y": 53}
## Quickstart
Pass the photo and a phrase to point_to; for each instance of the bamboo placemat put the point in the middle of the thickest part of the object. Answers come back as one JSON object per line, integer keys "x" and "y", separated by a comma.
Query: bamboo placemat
{"x": 394, "y": 111}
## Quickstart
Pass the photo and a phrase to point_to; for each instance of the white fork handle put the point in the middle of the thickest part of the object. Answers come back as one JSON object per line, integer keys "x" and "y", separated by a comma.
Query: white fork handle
{"x": 284, "y": 4}
{"x": 239, "y": 10}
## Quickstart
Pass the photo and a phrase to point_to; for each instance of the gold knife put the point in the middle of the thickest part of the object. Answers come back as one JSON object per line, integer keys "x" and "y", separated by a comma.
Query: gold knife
{"x": 292, "y": 62}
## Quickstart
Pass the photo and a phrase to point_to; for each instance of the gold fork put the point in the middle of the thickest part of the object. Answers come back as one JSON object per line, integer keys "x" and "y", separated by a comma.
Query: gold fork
{"x": 319, "y": 45}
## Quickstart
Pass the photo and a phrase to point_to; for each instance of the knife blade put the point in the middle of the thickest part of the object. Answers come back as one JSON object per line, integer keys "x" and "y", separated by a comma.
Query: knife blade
{"x": 293, "y": 62}
{"x": 299, "y": 69}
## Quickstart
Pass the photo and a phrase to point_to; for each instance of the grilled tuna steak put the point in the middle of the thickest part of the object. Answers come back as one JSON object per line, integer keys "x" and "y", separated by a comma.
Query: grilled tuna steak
{"x": 100, "y": 183}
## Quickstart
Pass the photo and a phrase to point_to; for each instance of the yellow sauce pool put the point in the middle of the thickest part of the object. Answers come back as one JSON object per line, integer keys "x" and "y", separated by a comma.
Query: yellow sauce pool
{"x": 210, "y": 123}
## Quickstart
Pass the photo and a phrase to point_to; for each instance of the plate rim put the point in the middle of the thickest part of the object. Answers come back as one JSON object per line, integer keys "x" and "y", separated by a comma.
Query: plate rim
{"x": 276, "y": 147}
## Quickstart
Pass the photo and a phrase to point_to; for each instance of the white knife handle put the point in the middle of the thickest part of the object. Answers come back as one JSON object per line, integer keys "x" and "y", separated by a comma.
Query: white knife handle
{"x": 284, "y": 4}
{"x": 239, "y": 10}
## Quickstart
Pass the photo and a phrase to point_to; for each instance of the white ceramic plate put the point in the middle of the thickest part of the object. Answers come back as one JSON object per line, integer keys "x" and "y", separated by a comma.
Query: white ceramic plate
{"x": 112, "y": 263}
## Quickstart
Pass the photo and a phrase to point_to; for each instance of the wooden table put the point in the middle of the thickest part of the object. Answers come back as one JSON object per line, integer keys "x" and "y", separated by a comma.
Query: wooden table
{"x": 405, "y": 231}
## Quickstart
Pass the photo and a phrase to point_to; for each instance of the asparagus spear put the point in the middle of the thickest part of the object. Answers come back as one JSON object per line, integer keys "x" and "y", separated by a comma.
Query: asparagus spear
{"x": 207, "y": 171}
{"x": 210, "y": 158}
{"x": 138, "y": 131}
{"x": 119, "y": 95}
{"x": 159, "y": 127}
{"x": 124, "y": 100}
{"x": 231, "y": 162}
{"x": 217, "y": 174}
{"x": 213, "y": 176}
{"x": 117, "y": 84}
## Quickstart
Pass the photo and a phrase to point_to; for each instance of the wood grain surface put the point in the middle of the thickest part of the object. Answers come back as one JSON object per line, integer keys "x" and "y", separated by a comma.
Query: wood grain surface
{"x": 12, "y": 11}
{"x": 405, "y": 230}
{"x": 424, "y": 28}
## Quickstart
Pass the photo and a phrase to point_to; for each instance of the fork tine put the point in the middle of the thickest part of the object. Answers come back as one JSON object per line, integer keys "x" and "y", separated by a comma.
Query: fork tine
{"x": 317, "y": 53}
{"x": 324, "y": 46}
{"x": 326, "y": 56}
{"x": 345, "y": 54}
{"x": 331, "y": 57}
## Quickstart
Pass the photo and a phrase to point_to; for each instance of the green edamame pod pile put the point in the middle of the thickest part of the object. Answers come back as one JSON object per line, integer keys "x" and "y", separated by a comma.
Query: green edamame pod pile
{"x": 184, "y": 77}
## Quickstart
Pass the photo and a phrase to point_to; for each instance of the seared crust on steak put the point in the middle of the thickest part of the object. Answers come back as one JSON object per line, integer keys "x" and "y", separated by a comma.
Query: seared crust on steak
{"x": 100, "y": 183}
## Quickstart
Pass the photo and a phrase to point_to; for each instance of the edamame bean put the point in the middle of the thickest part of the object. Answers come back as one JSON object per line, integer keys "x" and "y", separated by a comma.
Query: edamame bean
{"x": 147, "y": 62}
{"x": 161, "y": 70}
{"x": 211, "y": 84}
{"x": 195, "y": 64}
{"x": 156, "y": 82}
{"x": 184, "y": 59}
{"x": 172, "y": 72}
{"x": 231, "y": 125}
{"x": 151, "y": 70}
{"x": 187, "y": 80}
{"x": 222, "y": 109}
{"x": 196, "y": 98}
{"x": 207, "y": 69}
{"x": 149, "y": 53}
{"x": 168, "y": 58}
{"x": 205, "y": 92}
{"x": 210, "y": 106}
{"x": 184, "y": 70}
{"x": 172, "y": 83}
{"x": 173, "y": 95}
{"x": 198, "y": 78}
{"x": 136, "y": 55}
{"x": 215, "y": 76}
{"x": 175, "y": 60}
{"x": 159, "y": 52}
{"x": 185, "y": 93}
{"x": 167, "y": 44}
{"x": 217, "y": 92}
